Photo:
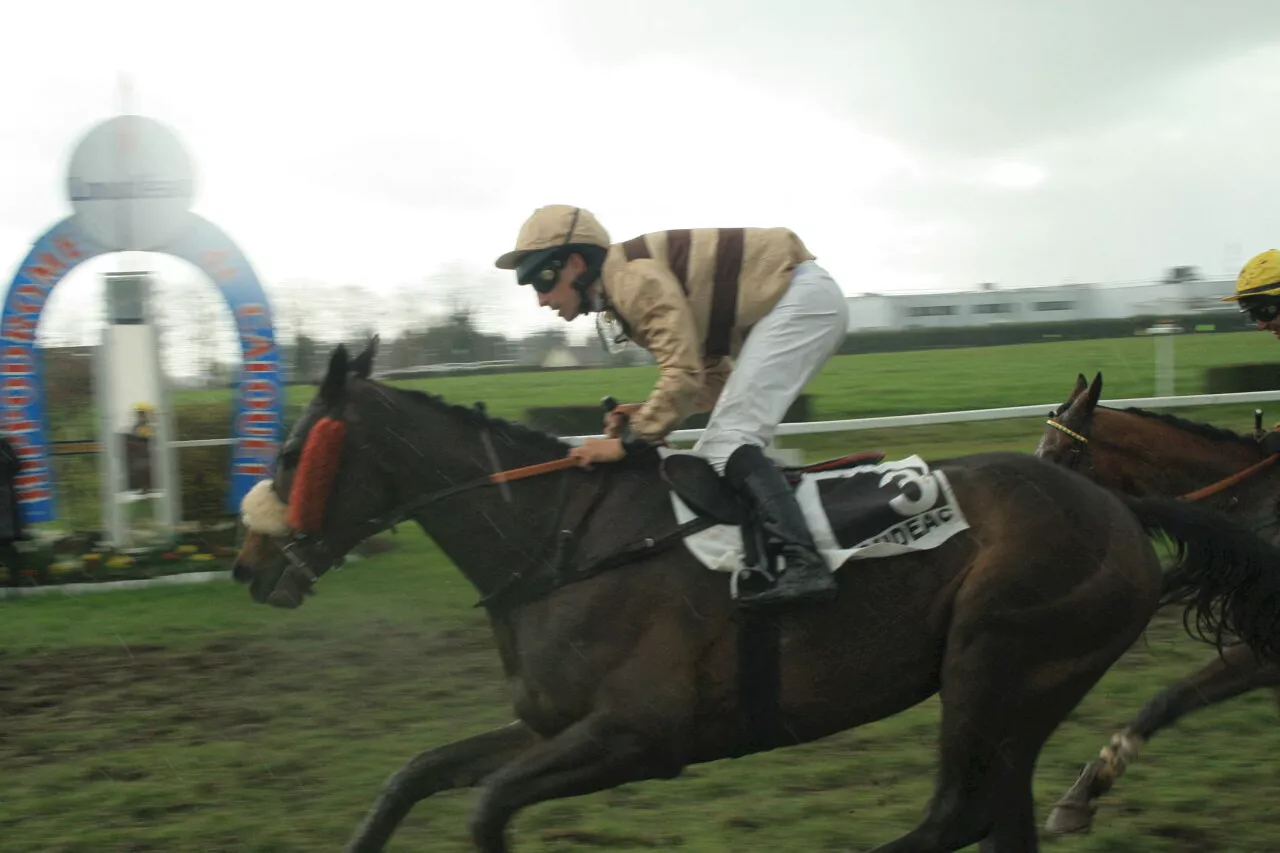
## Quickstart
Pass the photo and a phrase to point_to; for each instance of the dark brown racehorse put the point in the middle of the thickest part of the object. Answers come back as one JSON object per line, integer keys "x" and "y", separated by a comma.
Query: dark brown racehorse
{"x": 1143, "y": 453}
{"x": 622, "y": 651}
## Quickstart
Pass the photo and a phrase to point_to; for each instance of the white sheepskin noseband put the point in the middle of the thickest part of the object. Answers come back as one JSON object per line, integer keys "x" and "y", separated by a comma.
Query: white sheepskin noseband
{"x": 263, "y": 512}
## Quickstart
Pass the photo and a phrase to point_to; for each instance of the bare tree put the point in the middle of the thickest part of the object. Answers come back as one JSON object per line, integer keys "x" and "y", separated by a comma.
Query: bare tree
{"x": 488, "y": 296}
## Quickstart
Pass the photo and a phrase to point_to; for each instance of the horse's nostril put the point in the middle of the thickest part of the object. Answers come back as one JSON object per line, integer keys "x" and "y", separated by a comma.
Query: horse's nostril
{"x": 241, "y": 572}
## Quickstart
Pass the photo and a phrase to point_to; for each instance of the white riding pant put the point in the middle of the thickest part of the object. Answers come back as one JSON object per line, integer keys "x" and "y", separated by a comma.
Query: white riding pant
{"x": 781, "y": 354}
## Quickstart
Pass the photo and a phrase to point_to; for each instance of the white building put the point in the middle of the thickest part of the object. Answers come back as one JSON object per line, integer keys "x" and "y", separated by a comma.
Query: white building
{"x": 990, "y": 305}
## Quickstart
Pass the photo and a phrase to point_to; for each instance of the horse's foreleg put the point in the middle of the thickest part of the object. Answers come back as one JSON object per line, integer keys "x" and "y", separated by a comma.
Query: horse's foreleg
{"x": 1233, "y": 673}
{"x": 592, "y": 755}
{"x": 461, "y": 764}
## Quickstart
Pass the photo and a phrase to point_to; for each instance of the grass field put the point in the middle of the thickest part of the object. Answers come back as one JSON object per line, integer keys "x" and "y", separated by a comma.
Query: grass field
{"x": 191, "y": 719}
{"x": 862, "y": 386}
{"x": 194, "y": 720}
{"x": 854, "y": 386}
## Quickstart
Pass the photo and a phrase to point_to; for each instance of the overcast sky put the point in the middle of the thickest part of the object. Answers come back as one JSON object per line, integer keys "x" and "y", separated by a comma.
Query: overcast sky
{"x": 913, "y": 145}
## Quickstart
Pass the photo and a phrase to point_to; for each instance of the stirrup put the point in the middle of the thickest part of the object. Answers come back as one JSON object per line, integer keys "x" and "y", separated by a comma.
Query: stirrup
{"x": 749, "y": 572}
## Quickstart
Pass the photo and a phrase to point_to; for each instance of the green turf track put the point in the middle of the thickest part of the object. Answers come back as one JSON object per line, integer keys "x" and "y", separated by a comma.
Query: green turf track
{"x": 191, "y": 719}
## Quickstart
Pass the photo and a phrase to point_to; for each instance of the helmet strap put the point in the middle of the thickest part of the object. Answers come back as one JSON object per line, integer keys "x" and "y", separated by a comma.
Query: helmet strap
{"x": 582, "y": 284}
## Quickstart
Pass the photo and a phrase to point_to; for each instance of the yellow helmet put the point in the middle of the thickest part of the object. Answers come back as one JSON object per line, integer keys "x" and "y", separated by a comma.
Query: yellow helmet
{"x": 143, "y": 407}
{"x": 1259, "y": 277}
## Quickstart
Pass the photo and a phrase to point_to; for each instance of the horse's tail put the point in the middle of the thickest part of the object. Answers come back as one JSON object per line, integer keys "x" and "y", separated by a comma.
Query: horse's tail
{"x": 1227, "y": 576}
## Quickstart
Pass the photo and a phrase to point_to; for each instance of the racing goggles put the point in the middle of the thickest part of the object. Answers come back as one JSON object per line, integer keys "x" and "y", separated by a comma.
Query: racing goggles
{"x": 1261, "y": 310}
{"x": 541, "y": 269}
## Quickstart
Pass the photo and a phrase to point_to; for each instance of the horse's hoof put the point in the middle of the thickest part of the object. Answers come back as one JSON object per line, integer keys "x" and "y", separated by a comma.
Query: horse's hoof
{"x": 1069, "y": 818}
{"x": 285, "y": 600}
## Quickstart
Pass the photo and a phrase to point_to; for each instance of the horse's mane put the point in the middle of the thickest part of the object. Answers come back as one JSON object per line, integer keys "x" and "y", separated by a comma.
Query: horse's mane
{"x": 1203, "y": 430}
{"x": 474, "y": 416}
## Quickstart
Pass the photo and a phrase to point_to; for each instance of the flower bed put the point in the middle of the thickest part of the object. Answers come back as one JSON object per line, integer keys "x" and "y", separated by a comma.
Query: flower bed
{"x": 81, "y": 558}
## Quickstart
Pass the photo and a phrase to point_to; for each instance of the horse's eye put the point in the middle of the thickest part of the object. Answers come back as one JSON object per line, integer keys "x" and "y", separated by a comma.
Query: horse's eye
{"x": 289, "y": 458}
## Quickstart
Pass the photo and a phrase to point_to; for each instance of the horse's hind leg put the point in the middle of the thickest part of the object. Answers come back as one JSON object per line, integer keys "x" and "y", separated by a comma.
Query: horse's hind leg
{"x": 461, "y": 764}
{"x": 1235, "y": 672}
{"x": 1009, "y": 678}
{"x": 992, "y": 732}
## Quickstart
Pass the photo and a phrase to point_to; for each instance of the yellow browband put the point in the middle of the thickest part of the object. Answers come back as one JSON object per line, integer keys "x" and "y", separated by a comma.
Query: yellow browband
{"x": 1077, "y": 436}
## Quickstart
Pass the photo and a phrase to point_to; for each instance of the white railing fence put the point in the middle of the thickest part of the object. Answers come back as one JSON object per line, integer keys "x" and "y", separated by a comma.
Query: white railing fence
{"x": 963, "y": 416}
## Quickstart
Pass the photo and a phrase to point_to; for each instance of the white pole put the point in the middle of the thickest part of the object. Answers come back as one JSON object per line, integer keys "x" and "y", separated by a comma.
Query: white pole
{"x": 117, "y": 529}
{"x": 1164, "y": 364}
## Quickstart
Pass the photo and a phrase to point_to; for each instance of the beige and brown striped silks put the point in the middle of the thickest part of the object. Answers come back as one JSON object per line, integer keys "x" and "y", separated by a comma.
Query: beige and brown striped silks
{"x": 690, "y": 297}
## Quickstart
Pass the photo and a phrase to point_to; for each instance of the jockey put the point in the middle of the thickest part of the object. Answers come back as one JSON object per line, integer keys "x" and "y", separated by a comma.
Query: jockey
{"x": 738, "y": 319}
{"x": 1258, "y": 293}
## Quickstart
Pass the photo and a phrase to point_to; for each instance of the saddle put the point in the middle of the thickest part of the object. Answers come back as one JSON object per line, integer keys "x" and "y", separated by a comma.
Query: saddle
{"x": 707, "y": 494}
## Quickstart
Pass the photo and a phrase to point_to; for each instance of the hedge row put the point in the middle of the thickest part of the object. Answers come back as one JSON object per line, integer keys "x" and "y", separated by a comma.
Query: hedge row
{"x": 204, "y": 472}
{"x": 950, "y": 337}
{"x": 1240, "y": 378}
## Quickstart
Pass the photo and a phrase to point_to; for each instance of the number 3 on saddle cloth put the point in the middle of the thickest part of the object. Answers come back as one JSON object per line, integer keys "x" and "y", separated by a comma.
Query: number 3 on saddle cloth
{"x": 856, "y": 506}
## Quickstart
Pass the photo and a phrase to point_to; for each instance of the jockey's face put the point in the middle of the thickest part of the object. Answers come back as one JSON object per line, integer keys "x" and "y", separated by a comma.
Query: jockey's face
{"x": 563, "y": 298}
{"x": 1266, "y": 314}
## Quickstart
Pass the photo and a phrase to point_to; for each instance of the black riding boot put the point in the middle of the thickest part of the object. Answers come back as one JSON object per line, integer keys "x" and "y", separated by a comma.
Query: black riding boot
{"x": 804, "y": 575}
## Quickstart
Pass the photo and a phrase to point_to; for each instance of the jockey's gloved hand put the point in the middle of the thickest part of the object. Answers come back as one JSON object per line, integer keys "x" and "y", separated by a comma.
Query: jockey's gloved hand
{"x": 1270, "y": 443}
{"x": 615, "y": 420}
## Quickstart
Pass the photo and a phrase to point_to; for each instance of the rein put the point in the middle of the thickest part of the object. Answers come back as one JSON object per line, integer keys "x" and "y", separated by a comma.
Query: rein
{"x": 519, "y": 586}
{"x": 405, "y": 510}
{"x": 1199, "y": 494}
{"x": 302, "y": 545}
{"x": 532, "y": 588}
{"x": 1214, "y": 488}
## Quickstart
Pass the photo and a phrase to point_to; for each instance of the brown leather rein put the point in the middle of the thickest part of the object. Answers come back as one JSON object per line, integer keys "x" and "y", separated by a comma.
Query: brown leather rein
{"x": 1214, "y": 488}
{"x": 1199, "y": 494}
{"x": 534, "y": 470}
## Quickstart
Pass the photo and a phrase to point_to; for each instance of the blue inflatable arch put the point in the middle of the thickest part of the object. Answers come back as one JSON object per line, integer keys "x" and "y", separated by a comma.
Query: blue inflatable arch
{"x": 258, "y": 412}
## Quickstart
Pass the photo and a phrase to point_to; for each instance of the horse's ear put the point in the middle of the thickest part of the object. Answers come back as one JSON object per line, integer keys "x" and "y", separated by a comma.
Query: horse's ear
{"x": 1095, "y": 390}
{"x": 334, "y": 385}
{"x": 363, "y": 363}
{"x": 1081, "y": 385}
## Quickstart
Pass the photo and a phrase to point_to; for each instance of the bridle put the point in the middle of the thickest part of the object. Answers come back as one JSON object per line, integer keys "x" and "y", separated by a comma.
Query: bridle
{"x": 1079, "y": 442}
{"x": 310, "y": 557}
{"x": 1080, "y": 445}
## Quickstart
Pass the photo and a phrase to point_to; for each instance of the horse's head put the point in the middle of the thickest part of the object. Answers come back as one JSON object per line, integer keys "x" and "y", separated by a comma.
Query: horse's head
{"x": 1145, "y": 453}
{"x": 1068, "y": 429}
{"x": 328, "y": 494}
